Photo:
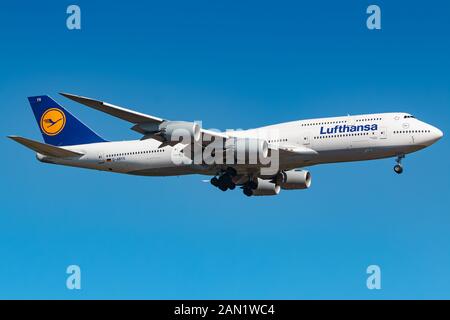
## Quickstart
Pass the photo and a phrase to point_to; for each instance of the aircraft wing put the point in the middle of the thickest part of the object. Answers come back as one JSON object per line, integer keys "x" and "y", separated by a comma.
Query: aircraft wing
{"x": 141, "y": 120}
{"x": 145, "y": 124}
{"x": 116, "y": 111}
{"x": 46, "y": 149}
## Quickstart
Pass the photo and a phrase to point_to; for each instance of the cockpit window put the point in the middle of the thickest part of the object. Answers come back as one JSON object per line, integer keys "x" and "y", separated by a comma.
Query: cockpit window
{"x": 406, "y": 117}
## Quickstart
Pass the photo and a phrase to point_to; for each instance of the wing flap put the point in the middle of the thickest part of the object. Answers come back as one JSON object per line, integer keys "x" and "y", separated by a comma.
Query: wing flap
{"x": 295, "y": 150}
{"x": 46, "y": 149}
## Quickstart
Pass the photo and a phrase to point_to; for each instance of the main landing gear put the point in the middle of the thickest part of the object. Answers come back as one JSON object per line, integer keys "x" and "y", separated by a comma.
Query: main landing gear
{"x": 398, "y": 168}
{"x": 249, "y": 187}
{"x": 225, "y": 180}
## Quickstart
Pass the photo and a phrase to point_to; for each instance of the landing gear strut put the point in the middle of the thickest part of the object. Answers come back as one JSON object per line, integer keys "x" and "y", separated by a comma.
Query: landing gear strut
{"x": 398, "y": 168}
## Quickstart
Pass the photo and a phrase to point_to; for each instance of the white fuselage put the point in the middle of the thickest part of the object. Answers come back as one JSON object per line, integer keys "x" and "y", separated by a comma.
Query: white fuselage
{"x": 336, "y": 139}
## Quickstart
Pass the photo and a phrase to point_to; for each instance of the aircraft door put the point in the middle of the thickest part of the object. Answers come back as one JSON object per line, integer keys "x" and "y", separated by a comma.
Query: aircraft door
{"x": 383, "y": 133}
{"x": 304, "y": 139}
{"x": 101, "y": 158}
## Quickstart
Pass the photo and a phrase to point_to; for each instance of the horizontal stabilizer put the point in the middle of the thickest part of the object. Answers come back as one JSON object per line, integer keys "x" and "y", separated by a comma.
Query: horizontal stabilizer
{"x": 45, "y": 149}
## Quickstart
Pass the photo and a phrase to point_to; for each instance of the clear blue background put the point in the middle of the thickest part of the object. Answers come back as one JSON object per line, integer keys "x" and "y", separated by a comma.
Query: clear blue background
{"x": 232, "y": 64}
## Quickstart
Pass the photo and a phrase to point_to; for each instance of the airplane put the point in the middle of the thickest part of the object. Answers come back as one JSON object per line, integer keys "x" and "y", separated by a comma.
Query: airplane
{"x": 260, "y": 161}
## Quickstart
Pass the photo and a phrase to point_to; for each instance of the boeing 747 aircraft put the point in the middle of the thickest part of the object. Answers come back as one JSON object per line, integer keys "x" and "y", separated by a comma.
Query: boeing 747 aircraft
{"x": 261, "y": 161}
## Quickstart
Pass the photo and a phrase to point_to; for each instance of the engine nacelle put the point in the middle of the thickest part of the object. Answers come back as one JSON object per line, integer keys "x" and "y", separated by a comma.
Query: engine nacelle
{"x": 248, "y": 149}
{"x": 294, "y": 179}
{"x": 266, "y": 188}
{"x": 173, "y": 130}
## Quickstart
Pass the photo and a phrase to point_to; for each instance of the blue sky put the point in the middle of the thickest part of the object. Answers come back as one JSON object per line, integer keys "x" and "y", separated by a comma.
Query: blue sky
{"x": 231, "y": 64}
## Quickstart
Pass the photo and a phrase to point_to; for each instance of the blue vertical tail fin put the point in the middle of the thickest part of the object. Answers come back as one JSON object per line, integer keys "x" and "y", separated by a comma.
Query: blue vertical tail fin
{"x": 58, "y": 126}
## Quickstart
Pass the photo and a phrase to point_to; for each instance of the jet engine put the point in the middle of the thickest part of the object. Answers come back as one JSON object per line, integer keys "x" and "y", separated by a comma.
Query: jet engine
{"x": 263, "y": 188}
{"x": 173, "y": 130}
{"x": 294, "y": 179}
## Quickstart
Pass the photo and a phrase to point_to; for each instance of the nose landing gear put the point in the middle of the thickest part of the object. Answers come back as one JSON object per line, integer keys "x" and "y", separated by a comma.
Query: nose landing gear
{"x": 398, "y": 168}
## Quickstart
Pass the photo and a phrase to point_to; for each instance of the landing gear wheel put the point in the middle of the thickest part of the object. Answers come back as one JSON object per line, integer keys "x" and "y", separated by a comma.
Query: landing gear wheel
{"x": 398, "y": 169}
{"x": 226, "y": 180}
{"x": 248, "y": 192}
{"x": 215, "y": 182}
{"x": 252, "y": 185}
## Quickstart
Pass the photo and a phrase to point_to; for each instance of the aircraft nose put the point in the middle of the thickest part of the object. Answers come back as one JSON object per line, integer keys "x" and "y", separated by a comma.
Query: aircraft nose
{"x": 437, "y": 134}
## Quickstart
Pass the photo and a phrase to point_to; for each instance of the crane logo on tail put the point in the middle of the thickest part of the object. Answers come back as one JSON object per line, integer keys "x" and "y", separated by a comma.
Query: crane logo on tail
{"x": 53, "y": 121}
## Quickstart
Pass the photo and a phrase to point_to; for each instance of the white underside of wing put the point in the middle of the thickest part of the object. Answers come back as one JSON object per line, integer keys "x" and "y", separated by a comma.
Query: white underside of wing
{"x": 295, "y": 150}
